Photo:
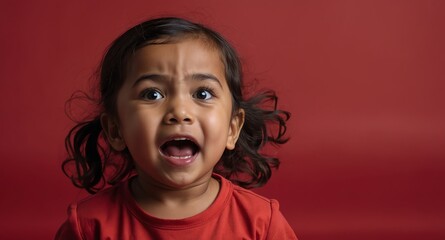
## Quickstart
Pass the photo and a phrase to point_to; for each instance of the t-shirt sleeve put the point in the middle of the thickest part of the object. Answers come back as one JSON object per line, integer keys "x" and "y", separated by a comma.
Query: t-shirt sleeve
{"x": 70, "y": 228}
{"x": 279, "y": 228}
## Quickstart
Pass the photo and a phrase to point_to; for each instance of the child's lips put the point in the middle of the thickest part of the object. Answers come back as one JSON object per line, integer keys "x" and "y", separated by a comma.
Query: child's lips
{"x": 179, "y": 150}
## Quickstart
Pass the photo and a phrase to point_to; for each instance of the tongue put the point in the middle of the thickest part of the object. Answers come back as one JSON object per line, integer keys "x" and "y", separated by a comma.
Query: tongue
{"x": 178, "y": 149}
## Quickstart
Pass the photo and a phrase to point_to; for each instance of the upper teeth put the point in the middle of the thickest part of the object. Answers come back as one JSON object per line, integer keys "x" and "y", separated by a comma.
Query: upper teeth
{"x": 181, "y": 157}
{"x": 180, "y": 139}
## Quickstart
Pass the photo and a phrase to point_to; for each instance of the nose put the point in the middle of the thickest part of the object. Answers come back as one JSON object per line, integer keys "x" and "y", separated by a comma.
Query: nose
{"x": 178, "y": 112}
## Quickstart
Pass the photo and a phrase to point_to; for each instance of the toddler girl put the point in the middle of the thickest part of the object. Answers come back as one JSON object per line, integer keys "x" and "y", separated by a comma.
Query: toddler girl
{"x": 178, "y": 142}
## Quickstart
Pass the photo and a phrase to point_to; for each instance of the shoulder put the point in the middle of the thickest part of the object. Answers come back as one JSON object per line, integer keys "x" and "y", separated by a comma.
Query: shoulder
{"x": 91, "y": 213}
{"x": 263, "y": 213}
{"x": 249, "y": 207}
{"x": 244, "y": 198}
{"x": 102, "y": 202}
{"x": 253, "y": 206}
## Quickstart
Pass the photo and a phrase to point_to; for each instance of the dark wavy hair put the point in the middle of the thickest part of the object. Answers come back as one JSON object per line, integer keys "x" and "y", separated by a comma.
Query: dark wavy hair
{"x": 95, "y": 163}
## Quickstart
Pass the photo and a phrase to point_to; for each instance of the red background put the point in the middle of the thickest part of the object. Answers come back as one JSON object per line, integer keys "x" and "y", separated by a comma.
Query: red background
{"x": 365, "y": 81}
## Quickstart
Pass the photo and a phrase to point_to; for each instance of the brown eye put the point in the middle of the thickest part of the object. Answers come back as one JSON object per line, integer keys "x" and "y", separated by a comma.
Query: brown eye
{"x": 151, "y": 94}
{"x": 203, "y": 94}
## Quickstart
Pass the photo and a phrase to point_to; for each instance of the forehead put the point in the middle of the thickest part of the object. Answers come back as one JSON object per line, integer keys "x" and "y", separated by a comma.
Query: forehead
{"x": 177, "y": 57}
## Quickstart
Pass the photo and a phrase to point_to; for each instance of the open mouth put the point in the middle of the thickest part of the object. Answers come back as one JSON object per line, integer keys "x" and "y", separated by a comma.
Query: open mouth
{"x": 179, "y": 148}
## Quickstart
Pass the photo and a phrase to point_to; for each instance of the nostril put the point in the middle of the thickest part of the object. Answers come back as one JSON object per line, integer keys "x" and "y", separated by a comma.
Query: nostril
{"x": 177, "y": 119}
{"x": 173, "y": 120}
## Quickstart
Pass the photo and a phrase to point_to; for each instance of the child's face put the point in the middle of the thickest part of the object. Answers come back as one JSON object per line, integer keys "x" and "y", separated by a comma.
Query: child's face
{"x": 175, "y": 113}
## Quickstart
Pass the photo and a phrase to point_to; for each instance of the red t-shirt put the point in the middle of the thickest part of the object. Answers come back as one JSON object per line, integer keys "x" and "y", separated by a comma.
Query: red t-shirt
{"x": 236, "y": 213}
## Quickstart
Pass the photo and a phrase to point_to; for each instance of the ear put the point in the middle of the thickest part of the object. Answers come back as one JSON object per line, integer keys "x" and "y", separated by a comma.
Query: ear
{"x": 112, "y": 132}
{"x": 236, "y": 124}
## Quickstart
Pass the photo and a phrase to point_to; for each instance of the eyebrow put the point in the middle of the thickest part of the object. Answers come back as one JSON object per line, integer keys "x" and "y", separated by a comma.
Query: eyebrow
{"x": 194, "y": 76}
{"x": 152, "y": 77}
{"x": 206, "y": 76}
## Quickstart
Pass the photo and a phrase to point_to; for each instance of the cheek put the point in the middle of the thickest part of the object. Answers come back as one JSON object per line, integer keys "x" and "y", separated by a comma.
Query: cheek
{"x": 139, "y": 138}
{"x": 137, "y": 127}
{"x": 217, "y": 127}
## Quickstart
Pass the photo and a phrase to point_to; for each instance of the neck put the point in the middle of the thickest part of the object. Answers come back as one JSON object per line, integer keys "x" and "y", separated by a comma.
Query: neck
{"x": 174, "y": 203}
